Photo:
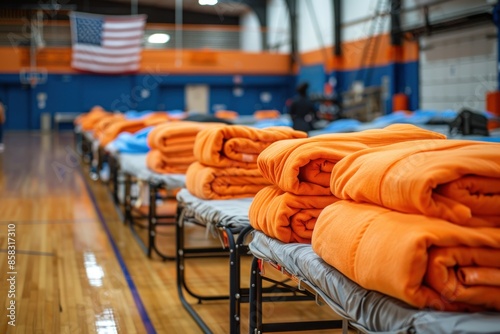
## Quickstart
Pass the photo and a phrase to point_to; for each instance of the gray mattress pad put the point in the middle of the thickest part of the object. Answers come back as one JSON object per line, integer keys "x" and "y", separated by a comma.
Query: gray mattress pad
{"x": 368, "y": 311}
{"x": 135, "y": 164}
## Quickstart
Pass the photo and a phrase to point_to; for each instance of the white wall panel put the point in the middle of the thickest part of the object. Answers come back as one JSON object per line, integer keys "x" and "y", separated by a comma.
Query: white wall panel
{"x": 251, "y": 39}
{"x": 278, "y": 21}
{"x": 312, "y": 12}
{"x": 362, "y": 9}
{"x": 439, "y": 11}
{"x": 457, "y": 68}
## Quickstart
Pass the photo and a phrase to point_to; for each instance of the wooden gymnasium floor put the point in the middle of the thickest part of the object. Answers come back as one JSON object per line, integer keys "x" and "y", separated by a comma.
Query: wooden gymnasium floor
{"x": 78, "y": 269}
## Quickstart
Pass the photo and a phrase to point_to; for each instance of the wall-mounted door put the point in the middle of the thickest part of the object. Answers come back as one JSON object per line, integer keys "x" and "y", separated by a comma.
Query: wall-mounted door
{"x": 197, "y": 98}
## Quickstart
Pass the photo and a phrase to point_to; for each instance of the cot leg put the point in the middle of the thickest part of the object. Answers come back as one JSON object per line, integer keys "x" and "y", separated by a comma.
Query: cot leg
{"x": 151, "y": 218}
{"x": 236, "y": 293}
{"x": 234, "y": 283}
{"x": 128, "y": 204}
{"x": 94, "y": 164}
{"x": 179, "y": 236}
{"x": 255, "y": 299}
{"x": 345, "y": 326}
{"x": 78, "y": 142}
{"x": 86, "y": 150}
{"x": 114, "y": 169}
{"x": 100, "y": 161}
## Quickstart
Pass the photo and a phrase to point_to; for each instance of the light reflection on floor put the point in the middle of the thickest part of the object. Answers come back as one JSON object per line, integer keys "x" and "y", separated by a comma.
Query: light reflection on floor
{"x": 94, "y": 271}
{"x": 105, "y": 322}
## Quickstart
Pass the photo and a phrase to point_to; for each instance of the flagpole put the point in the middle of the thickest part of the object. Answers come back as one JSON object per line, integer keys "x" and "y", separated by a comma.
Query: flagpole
{"x": 178, "y": 32}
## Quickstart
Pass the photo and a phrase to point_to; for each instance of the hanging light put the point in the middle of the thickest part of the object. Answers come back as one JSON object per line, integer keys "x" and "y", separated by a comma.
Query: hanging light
{"x": 158, "y": 38}
{"x": 207, "y": 2}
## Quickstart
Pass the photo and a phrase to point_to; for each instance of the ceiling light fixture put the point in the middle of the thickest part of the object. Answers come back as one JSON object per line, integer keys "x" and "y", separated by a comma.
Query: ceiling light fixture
{"x": 158, "y": 38}
{"x": 207, "y": 2}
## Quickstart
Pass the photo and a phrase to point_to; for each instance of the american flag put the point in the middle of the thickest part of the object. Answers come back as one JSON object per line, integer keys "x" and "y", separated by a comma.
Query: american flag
{"x": 106, "y": 44}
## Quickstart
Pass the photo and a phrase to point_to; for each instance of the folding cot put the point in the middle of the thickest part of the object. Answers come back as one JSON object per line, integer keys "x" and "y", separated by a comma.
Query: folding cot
{"x": 88, "y": 146}
{"x": 83, "y": 142}
{"x": 228, "y": 220}
{"x": 133, "y": 170}
{"x": 365, "y": 311}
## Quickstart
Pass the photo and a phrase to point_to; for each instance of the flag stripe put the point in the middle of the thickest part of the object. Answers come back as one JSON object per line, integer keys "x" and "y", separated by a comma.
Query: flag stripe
{"x": 123, "y": 25}
{"x": 107, "y": 44}
{"x": 107, "y": 51}
{"x": 104, "y": 59}
{"x": 121, "y": 42}
{"x": 101, "y": 68}
{"x": 122, "y": 34}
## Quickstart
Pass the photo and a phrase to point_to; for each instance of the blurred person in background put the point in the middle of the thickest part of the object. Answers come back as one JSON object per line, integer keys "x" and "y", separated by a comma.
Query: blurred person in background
{"x": 302, "y": 110}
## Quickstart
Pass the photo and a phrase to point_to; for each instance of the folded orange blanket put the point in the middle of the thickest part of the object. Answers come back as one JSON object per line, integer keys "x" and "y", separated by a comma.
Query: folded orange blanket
{"x": 177, "y": 136}
{"x": 223, "y": 183}
{"x": 285, "y": 216}
{"x": 266, "y": 114}
{"x": 304, "y": 166}
{"x": 90, "y": 119}
{"x": 414, "y": 258}
{"x": 116, "y": 127}
{"x": 161, "y": 163}
{"x": 156, "y": 118}
{"x": 456, "y": 180}
{"x": 105, "y": 121}
{"x": 238, "y": 145}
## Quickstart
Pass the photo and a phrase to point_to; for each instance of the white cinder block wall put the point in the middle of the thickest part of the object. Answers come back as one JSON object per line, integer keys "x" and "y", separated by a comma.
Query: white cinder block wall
{"x": 251, "y": 39}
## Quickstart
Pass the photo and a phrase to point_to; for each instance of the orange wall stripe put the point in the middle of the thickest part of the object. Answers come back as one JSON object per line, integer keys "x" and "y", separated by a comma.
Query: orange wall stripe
{"x": 58, "y": 60}
{"x": 171, "y": 61}
{"x": 352, "y": 53}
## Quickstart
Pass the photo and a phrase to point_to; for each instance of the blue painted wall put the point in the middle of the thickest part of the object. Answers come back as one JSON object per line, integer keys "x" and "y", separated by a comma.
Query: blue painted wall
{"x": 402, "y": 78}
{"x": 314, "y": 75}
{"x": 78, "y": 93}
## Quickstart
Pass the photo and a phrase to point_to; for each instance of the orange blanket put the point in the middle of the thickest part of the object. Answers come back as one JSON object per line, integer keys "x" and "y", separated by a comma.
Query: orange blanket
{"x": 238, "y": 145}
{"x": 118, "y": 126}
{"x": 223, "y": 183}
{"x": 89, "y": 120}
{"x": 285, "y": 216}
{"x": 421, "y": 260}
{"x": 157, "y": 118}
{"x": 455, "y": 180}
{"x": 162, "y": 163}
{"x": 304, "y": 166}
{"x": 104, "y": 122}
{"x": 174, "y": 137}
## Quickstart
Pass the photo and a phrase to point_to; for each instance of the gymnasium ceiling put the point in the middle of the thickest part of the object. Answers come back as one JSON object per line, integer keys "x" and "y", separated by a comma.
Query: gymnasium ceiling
{"x": 158, "y": 11}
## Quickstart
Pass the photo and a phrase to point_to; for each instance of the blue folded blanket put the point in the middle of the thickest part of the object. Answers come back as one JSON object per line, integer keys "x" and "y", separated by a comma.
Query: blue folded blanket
{"x": 338, "y": 126}
{"x": 127, "y": 142}
{"x": 267, "y": 123}
{"x": 134, "y": 114}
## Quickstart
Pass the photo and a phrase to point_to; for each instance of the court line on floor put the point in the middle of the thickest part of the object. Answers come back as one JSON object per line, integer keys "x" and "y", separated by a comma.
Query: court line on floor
{"x": 55, "y": 221}
{"x": 133, "y": 289}
{"x": 28, "y": 252}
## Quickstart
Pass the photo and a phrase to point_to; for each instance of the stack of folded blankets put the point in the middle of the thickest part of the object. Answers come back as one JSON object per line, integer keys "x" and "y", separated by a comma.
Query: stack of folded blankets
{"x": 120, "y": 124}
{"x": 89, "y": 121}
{"x": 226, "y": 160}
{"x": 171, "y": 145}
{"x": 419, "y": 221}
{"x": 299, "y": 172}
